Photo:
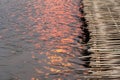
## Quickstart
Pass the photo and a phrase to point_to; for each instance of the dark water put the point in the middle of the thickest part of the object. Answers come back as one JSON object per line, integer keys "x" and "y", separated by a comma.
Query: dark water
{"x": 41, "y": 40}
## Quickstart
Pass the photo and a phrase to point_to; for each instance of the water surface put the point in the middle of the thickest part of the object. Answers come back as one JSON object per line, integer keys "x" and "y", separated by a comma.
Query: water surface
{"x": 39, "y": 40}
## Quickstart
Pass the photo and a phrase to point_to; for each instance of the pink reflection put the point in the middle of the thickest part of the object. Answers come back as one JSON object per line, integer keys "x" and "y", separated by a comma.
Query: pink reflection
{"x": 56, "y": 28}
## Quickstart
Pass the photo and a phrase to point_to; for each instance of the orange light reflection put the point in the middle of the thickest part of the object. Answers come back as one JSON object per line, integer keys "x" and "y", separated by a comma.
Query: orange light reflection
{"x": 56, "y": 28}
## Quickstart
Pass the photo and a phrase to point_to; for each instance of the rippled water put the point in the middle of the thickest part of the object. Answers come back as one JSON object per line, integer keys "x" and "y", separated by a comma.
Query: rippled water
{"x": 104, "y": 25}
{"x": 42, "y": 40}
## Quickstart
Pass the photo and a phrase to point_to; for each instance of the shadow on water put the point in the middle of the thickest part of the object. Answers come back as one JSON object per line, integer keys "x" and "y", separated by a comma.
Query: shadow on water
{"x": 43, "y": 40}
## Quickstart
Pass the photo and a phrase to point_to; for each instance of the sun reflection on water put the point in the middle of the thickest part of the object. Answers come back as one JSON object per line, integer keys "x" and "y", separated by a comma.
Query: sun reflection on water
{"x": 56, "y": 29}
{"x": 53, "y": 31}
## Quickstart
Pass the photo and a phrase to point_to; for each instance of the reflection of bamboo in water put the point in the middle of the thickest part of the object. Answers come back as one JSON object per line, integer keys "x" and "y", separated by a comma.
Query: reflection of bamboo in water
{"x": 105, "y": 38}
{"x": 98, "y": 31}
